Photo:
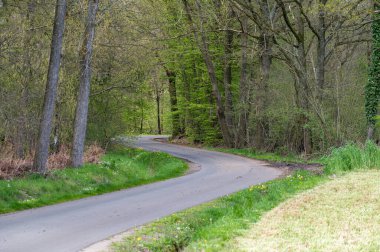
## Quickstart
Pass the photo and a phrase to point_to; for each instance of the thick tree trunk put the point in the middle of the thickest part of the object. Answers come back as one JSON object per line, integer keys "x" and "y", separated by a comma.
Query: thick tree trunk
{"x": 42, "y": 148}
{"x": 304, "y": 89}
{"x": 80, "y": 124}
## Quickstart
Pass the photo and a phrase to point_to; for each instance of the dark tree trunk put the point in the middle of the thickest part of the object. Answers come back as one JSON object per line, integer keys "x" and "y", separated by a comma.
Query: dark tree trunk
{"x": 80, "y": 124}
{"x": 227, "y": 76}
{"x": 158, "y": 101}
{"x": 265, "y": 49}
{"x": 244, "y": 89}
{"x": 321, "y": 50}
{"x": 42, "y": 148}
{"x": 173, "y": 103}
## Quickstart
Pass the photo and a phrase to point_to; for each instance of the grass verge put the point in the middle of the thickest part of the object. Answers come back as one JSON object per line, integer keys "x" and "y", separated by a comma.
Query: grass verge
{"x": 271, "y": 157}
{"x": 215, "y": 225}
{"x": 120, "y": 169}
{"x": 341, "y": 215}
{"x": 211, "y": 225}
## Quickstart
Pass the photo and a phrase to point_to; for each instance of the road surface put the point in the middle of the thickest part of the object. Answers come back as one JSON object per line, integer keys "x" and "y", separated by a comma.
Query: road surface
{"x": 74, "y": 225}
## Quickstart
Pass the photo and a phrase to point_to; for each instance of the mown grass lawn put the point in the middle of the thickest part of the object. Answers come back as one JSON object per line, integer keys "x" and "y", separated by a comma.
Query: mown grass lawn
{"x": 120, "y": 169}
{"x": 340, "y": 215}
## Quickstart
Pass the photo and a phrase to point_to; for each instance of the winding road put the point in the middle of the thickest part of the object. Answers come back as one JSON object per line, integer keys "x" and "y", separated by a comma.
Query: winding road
{"x": 74, "y": 225}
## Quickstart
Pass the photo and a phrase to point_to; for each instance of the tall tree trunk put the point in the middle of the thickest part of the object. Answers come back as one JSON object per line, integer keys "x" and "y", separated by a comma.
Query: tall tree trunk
{"x": 173, "y": 103}
{"x": 262, "y": 127}
{"x": 42, "y": 148}
{"x": 227, "y": 75}
{"x": 321, "y": 50}
{"x": 244, "y": 88}
{"x": 80, "y": 124}
{"x": 158, "y": 103}
{"x": 203, "y": 46}
{"x": 265, "y": 49}
{"x": 304, "y": 89}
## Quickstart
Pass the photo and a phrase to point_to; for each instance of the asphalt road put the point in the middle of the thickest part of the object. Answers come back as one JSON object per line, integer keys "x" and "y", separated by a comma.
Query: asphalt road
{"x": 75, "y": 225}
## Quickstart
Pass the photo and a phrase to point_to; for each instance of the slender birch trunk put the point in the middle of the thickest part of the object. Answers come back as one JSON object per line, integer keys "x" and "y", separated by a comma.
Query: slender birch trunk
{"x": 80, "y": 124}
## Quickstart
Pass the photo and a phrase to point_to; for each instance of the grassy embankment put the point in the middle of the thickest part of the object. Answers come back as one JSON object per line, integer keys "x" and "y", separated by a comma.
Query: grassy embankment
{"x": 216, "y": 226}
{"x": 266, "y": 156}
{"x": 120, "y": 169}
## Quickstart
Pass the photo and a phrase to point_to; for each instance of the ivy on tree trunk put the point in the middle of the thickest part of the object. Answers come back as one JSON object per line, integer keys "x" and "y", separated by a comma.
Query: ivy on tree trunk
{"x": 372, "y": 90}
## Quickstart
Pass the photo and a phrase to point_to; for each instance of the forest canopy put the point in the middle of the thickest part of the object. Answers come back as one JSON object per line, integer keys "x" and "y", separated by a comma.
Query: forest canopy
{"x": 289, "y": 76}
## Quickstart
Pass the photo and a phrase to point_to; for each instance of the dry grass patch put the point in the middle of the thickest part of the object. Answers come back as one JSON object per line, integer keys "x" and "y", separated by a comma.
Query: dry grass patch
{"x": 12, "y": 167}
{"x": 340, "y": 215}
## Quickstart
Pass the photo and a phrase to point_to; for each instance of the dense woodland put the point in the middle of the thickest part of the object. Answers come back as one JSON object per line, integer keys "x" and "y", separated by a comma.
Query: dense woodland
{"x": 287, "y": 76}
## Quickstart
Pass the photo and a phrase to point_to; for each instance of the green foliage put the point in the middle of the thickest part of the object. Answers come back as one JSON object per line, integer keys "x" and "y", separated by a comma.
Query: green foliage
{"x": 352, "y": 157}
{"x": 210, "y": 226}
{"x": 372, "y": 90}
{"x": 122, "y": 168}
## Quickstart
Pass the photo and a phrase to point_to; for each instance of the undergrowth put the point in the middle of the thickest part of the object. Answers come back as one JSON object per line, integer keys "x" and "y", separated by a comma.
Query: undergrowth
{"x": 119, "y": 169}
{"x": 352, "y": 157}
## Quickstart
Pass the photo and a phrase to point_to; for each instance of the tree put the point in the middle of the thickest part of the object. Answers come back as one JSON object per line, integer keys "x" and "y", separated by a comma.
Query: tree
{"x": 201, "y": 40}
{"x": 42, "y": 148}
{"x": 80, "y": 124}
{"x": 372, "y": 90}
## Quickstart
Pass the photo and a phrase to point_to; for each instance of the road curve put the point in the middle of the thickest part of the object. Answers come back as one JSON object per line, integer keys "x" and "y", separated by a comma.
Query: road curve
{"x": 74, "y": 225}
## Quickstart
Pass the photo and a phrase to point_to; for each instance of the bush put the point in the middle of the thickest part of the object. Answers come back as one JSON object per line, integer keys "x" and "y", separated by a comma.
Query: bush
{"x": 352, "y": 157}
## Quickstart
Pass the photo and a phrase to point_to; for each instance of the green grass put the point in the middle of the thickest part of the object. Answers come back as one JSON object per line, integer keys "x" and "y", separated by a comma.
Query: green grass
{"x": 120, "y": 169}
{"x": 266, "y": 156}
{"x": 213, "y": 226}
{"x": 353, "y": 157}
{"x": 340, "y": 215}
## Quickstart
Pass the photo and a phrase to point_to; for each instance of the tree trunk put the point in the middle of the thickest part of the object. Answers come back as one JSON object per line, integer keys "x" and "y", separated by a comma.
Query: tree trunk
{"x": 158, "y": 113}
{"x": 227, "y": 75}
{"x": 265, "y": 49}
{"x": 42, "y": 148}
{"x": 372, "y": 89}
{"x": 262, "y": 127}
{"x": 173, "y": 103}
{"x": 304, "y": 89}
{"x": 203, "y": 46}
{"x": 321, "y": 50}
{"x": 81, "y": 114}
{"x": 244, "y": 88}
